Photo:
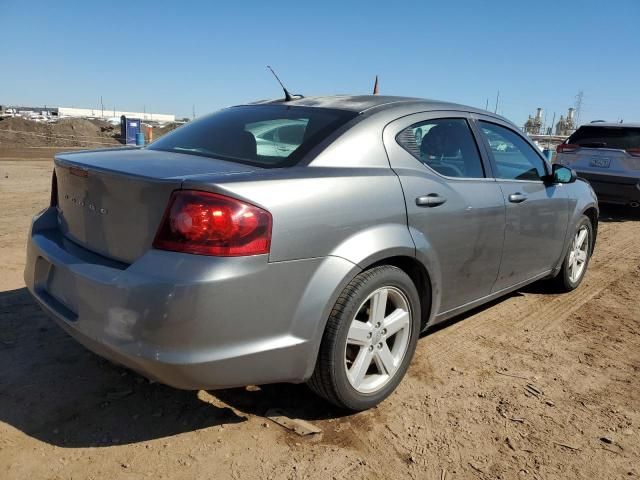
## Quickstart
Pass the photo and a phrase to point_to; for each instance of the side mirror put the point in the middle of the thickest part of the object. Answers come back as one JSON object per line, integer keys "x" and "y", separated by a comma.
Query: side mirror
{"x": 562, "y": 174}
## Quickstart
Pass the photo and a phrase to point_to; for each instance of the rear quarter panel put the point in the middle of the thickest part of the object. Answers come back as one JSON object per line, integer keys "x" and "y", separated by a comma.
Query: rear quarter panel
{"x": 351, "y": 212}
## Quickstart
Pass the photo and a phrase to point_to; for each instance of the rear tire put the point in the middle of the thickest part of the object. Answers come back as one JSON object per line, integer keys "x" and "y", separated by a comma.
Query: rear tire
{"x": 369, "y": 339}
{"x": 574, "y": 266}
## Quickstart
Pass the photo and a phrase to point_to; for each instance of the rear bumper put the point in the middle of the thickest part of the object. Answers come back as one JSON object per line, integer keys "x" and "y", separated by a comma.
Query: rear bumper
{"x": 613, "y": 188}
{"x": 188, "y": 321}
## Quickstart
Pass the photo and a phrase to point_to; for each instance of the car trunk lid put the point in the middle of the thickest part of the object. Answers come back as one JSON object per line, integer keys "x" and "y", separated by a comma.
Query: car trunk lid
{"x": 112, "y": 201}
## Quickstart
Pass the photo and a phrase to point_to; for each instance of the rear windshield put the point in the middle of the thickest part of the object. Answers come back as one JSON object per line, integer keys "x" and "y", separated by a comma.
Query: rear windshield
{"x": 262, "y": 135}
{"x": 606, "y": 137}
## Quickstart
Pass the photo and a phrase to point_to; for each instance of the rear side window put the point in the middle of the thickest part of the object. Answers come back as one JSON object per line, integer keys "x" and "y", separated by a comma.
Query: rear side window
{"x": 444, "y": 145}
{"x": 515, "y": 159}
{"x": 593, "y": 136}
{"x": 261, "y": 135}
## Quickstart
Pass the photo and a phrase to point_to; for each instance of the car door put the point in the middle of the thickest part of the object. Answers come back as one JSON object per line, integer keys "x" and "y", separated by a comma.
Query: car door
{"x": 455, "y": 208}
{"x": 536, "y": 211}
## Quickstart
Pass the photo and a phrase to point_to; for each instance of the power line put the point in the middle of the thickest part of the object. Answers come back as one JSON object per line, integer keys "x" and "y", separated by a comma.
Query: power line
{"x": 578, "y": 107}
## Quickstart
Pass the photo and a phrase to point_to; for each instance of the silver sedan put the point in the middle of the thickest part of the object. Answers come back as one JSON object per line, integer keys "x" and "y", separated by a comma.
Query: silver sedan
{"x": 203, "y": 261}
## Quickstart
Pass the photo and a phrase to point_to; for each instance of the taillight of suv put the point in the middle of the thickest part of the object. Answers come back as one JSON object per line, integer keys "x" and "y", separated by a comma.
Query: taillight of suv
{"x": 206, "y": 223}
{"x": 567, "y": 147}
{"x": 634, "y": 152}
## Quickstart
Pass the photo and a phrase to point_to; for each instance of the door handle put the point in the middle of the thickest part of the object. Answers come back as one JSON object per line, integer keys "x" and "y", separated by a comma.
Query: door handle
{"x": 431, "y": 200}
{"x": 517, "y": 197}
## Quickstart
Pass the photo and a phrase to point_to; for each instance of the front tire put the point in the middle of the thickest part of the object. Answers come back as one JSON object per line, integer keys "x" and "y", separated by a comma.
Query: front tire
{"x": 577, "y": 259}
{"x": 369, "y": 340}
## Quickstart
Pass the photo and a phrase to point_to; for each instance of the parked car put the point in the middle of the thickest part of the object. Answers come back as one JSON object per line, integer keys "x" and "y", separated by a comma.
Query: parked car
{"x": 608, "y": 156}
{"x": 203, "y": 263}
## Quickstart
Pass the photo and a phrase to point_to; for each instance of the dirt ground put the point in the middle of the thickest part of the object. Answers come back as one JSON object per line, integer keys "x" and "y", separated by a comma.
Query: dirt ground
{"x": 64, "y": 133}
{"x": 536, "y": 385}
{"x": 75, "y": 132}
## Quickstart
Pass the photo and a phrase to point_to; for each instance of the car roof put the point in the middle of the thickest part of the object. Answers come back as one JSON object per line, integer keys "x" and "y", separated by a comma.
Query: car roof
{"x": 362, "y": 103}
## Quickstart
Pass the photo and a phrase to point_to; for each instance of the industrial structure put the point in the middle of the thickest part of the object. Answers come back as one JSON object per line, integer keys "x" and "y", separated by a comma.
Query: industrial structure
{"x": 533, "y": 125}
{"x": 566, "y": 126}
{"x": 563, "y": 128}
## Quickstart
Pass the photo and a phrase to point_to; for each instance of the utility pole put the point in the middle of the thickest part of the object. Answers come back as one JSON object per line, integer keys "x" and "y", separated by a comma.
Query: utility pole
{"x": 486, "y": 105}
{"x": 101, "y": 107}
{"x": 193, "y": 112}
{"x": 497, "y": 100}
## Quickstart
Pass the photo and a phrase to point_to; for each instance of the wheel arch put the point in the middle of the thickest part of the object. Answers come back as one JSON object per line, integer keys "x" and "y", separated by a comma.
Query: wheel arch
{"x": 391, "y": 244}
{"x": 576, "y": 212}
{"x": 592, "y": 214}
{"x": 420, "y": 278}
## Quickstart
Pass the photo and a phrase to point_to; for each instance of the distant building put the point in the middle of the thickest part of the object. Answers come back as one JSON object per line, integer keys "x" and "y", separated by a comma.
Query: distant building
{"x": 98, "y": 113}
{"x": 62, "y": 112}
{"x": 27, "y": 111}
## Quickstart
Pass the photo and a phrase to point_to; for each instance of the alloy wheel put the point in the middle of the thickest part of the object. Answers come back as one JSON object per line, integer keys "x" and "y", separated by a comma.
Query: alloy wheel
{"x": 377, "y": 339}
{"x": 579, "y": 254}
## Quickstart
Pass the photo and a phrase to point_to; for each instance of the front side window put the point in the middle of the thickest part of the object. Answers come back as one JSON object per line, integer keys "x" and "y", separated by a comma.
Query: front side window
{"x": 444, "y": 145}
{"x": 262, "y": 135}
{"x": 515, "y": 159}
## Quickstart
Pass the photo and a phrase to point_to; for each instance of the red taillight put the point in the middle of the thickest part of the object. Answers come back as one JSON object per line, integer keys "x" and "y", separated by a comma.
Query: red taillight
{"x": 567, "y": 147}
{"x": 634, "y": 152}
{"x": 210, "y": 224}
{"x": 54, "y": 190}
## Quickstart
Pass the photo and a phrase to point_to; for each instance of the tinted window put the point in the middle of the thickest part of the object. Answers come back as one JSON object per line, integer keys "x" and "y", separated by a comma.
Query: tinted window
{"x": 515, "y": 159}
{"x": 278, "y": 137}
{"x": 445, "y": 145}
{"x": 606, "y": 137}
{"x": 292, "y": 134}
{"x": 263, "y": 135}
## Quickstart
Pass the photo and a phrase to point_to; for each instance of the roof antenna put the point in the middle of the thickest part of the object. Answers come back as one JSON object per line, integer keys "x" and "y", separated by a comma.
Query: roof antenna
{"x": 287, "y": 95}
{"x": 375, "y": 87}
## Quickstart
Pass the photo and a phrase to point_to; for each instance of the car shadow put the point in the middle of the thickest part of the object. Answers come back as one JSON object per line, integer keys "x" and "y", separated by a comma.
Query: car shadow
{"x": 618, "y": 213}
{"x": 53, "y": 389}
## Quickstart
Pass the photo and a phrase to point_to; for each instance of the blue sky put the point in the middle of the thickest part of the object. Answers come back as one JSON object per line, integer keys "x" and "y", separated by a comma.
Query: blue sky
{"x": 168, "y": 56}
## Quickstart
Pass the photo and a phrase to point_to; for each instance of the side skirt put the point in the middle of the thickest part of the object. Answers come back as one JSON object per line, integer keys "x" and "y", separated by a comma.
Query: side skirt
{"x": 441, "y": 317}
